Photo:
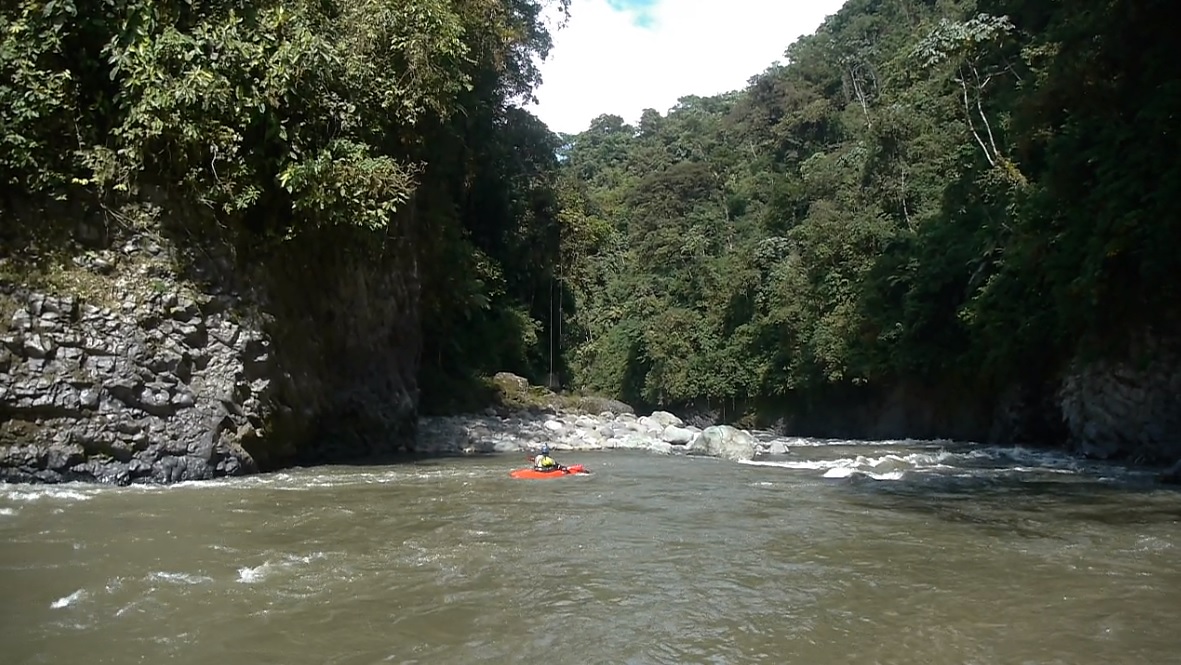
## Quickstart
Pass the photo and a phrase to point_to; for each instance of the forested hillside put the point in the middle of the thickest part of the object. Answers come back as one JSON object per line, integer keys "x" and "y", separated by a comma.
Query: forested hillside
{"x": 956, "y": 193}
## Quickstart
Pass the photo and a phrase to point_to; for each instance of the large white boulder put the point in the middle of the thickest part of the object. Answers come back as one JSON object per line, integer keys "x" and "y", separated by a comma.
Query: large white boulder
{"x": 678, "y": 436}
{"x": 649, "y": 425}
{"x": 725, "y": 442}
{"x": 666, "y": 419}
{"x": 633, "y": 442}
{"x": 586, "y": 422}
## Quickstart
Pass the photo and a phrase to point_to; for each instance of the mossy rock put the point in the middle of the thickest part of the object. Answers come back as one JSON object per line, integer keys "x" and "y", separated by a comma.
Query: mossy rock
{"x": 8, "y": 306}
{"x": 509, "y": 384}
{"x": 594, "y": 404}
{"x": 516, "y": 392}
{"x": 506, "y": 392}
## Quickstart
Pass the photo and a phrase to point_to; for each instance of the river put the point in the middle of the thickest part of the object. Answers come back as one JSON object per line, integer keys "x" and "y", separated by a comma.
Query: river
{"x": 841, "y": 552}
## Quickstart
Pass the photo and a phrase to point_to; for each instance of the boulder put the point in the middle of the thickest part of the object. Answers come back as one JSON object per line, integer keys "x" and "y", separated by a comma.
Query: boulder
{"x": 666, "y": 419}
{"x": 678, "y": 436}
{"x": 586, "y": 422}
{"x": 633, "y": 442}
{"x": 725, "y": 442}
{"x": 510, "y": 382}
{"x": 777, "y": 448}
{"x": 506, "y": 447}
{"x": 650, "y": 425}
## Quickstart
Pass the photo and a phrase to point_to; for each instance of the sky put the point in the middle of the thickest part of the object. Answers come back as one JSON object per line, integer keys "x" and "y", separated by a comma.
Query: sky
{"x": 622, "y": 56}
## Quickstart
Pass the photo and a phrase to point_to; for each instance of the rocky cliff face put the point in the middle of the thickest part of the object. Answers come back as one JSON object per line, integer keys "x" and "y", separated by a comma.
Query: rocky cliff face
{"x": 1126, "y": 406}
{"x": 127, "y": 369}
{"x": 147, "y": 392}
{"x": 907, "y": 410}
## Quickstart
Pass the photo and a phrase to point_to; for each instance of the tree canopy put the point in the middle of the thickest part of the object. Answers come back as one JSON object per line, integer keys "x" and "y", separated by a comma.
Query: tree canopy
{"x": 947, "y": 190}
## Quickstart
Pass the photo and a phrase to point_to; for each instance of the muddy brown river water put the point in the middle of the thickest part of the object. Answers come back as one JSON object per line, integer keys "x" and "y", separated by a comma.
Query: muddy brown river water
{"x": 841, "y": 552}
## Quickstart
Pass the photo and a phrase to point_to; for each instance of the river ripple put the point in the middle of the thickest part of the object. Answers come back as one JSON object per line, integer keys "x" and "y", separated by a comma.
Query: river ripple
{"x": 842, "y": 552}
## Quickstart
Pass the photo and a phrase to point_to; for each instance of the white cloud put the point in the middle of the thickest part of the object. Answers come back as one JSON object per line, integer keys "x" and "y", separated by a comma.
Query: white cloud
{"x": 603, "y": 63}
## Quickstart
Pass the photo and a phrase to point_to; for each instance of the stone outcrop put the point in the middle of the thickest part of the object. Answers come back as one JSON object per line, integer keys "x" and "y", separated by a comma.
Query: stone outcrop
{"x": 148, "y": 376}
{"x": 145, "y": 392}
{"x": 1126, "y": 407}
{"x": 725, "y": 442}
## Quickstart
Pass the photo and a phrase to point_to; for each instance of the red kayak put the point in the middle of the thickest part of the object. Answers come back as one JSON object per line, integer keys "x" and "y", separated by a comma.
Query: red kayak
{"x": 575, "y": 470}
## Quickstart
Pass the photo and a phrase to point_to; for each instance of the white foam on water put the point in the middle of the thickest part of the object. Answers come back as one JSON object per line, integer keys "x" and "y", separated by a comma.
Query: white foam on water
{"x": 1151, "y": 544}
{"x": 178, "y": 578}
{"x": 806, "y": 465}
{"x": 885, "y": 467}
{"x": 846, "y": 473}
{"x": 66, "y": 601}
{"x": 32, "y": 493}
{"x": 303, "y": 482}
{"x": 128, "y": 607}
{"x": 306, "y": 558}
{"x": 215, "y": 483}
{"x": 982, "y": 461}
{"x": 248, "y": 575}
{"x": 812, "y": 442}
{"x": 179, "y": 638}
{"x": 1040, "y": 461}
{"x": 1034, "y": 469}
{"x": 7, "y": 512}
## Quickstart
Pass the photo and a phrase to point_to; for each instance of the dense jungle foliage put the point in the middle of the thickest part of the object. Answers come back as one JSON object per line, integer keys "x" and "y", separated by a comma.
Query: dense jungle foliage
{"x": 944, "y": 191}
{"x": 941, "y": 190}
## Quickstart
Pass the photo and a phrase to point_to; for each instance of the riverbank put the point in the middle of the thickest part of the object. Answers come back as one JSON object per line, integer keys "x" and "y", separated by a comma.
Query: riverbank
{"x": 523, "y": 417}
{"x": 660, "y": 432}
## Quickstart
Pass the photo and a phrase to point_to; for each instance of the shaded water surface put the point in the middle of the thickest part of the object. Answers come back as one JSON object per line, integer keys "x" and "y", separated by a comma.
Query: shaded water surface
{"x": 842, "y": 552}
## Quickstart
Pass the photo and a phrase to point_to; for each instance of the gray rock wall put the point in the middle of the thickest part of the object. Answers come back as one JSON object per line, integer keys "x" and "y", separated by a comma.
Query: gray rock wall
{"x": 151, "y": 376}
{"x": 905, "y": 410}
{"x": 142, "y": 393}
{"x": 1127, "y": 406}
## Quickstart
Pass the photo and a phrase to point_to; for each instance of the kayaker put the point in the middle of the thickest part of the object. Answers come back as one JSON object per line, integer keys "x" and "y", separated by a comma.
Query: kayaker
{"x": 543, "y": 462}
